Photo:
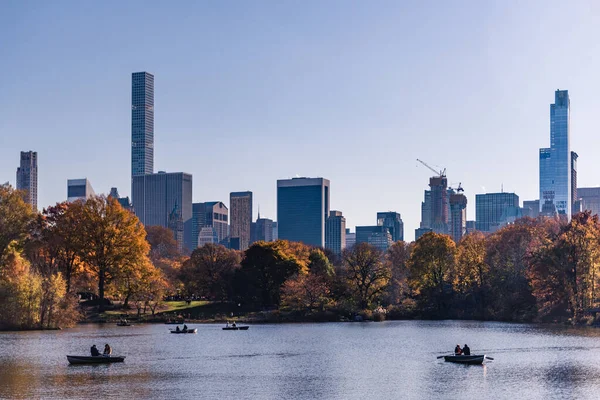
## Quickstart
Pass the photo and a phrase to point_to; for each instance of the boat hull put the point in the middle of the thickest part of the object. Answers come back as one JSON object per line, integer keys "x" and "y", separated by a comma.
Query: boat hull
{"x": 469, "y": 360}
{"x": 236, "y": 328}
{"x": 188, "y": 331}
{"x": 95, "y": 359}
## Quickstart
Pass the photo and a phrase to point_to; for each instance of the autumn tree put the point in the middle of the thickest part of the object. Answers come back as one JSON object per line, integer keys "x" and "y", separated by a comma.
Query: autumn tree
{"x": 162, "y": 243}
{"x": 470, "y": 279}
{"x": 114, "y": 239}
{"x": 366, "y": 273}
{"x": 397, "y": 257}
{"x": 209, "y": 272}
{"x": 431, "y": 265}
{"x": 319, "y": 264}
{"x": 565, "y": 270}
{"x": 306, "y": 292}
{"x": 15, "y": 218}
{"x": 264, "y": 269}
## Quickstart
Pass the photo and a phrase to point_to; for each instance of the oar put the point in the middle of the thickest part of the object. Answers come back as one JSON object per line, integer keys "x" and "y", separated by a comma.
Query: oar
{"x": 441, "y": 357}
{"x": 489, "y": 358}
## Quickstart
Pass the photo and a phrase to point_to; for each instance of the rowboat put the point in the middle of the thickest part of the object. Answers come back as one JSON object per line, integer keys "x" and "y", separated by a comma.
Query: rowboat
{"x": 462, "y": 359}
{"x": 124, "y": 324}
{"x": 95, "y": 359}
{"x": 236, "y": 328}
{"x": 182, "y": 331}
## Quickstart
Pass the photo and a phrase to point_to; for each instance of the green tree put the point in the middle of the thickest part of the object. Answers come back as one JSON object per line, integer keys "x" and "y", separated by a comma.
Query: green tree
{"x": 366, "y": 273}
{"x": 264, "y": 269}
{"x": 319, "y": 264}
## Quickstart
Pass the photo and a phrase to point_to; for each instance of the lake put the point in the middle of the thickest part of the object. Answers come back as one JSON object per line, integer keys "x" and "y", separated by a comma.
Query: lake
{"x": 369, "y": 360}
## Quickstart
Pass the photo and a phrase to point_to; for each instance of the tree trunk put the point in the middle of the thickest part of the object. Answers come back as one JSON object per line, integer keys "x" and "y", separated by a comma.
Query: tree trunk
{"x": 101, "y": 277}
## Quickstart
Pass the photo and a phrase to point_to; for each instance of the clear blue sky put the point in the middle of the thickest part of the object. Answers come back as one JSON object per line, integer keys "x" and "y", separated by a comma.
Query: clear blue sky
{"x": 248, "y": 92}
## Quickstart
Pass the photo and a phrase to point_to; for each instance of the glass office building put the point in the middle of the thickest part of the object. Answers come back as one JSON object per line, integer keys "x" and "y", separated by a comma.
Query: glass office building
{"x": 491, "y": 210}
{"x": 335, "y": 232}
{"x": 555, "y": 161}
{"x": 392, "y": 220}
{"x": 142, "y": 124}
{"x": 302, "y": 209}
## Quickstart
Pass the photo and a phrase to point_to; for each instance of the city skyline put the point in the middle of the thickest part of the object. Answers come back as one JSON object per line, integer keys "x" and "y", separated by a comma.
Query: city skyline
{"x": 339, "y": 112}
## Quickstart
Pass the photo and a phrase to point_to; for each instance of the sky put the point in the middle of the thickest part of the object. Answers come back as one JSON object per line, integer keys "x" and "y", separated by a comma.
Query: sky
{"x": 248, "y": 92}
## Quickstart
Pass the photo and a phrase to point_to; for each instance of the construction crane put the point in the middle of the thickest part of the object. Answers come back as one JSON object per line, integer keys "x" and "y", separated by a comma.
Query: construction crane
{"x": 458, "y": 189}
{"x": 441, "y": 173}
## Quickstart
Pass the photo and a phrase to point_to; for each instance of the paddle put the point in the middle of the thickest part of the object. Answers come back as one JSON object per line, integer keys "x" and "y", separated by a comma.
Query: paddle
{"x": 489, "y": 358}
{"x": 441, "y": 357}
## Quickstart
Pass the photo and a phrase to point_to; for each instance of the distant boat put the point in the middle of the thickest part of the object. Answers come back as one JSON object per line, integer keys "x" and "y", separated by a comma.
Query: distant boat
{"x": 174, "y": 322}
{"x": 236, "y": 328}
{"x": 470, "y": 360}
{"x": 124, "y": 324}
{"x": 95, "y": 359}
{"x": 194, "y": 330}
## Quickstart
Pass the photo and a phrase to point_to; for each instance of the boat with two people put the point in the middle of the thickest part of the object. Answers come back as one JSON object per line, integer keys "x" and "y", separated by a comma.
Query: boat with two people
{"x": 96, "y": 358}
{"x": 184, "y": 330}
{"x": 463, "y": 356}
{"x": 235, "y": 327}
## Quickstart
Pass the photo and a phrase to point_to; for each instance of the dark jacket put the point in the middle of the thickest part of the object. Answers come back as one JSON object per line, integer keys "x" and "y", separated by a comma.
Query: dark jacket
{"x": 466, "y": 351}
{"x": 94, "y": 351}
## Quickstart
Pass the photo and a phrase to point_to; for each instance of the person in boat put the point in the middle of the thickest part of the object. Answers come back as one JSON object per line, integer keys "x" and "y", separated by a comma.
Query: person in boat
{"x": 457, "y": 350}
{"x": 466, "y": 350}
{"x": 234, "y": 325}
{"x": 185, "y": 328}
{"x": 227, "y": 324}
{"x": 94, "y": 351}
{"x": 177, "y": 329}
{"x": 107, "y": 350}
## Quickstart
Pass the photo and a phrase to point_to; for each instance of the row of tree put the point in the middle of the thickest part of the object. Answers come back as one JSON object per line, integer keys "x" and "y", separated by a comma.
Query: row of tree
{"x": 540, "y": 269}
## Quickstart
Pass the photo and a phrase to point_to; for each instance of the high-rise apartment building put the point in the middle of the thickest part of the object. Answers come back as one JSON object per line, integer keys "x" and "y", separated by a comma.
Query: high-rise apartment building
{"x": 27, "y": 177}
{"x": 458, "y": 216}
{"x": 240, "y": 206}
{"x": 302, "y": 209}
{"x": 79, "y": 189}
{"x": 335, "y": 232}
{"x": 142, "y": 124}
{"x": 590, "y": 199}
{"x": 393, "y": 221}
{"x": 426, "y": 210}
{"x": 556, "y": 161}
{"x": 157, "y": 195}
{"x": 574, "y": 198}
{"x": 262, "y": 230}
{"x": 213, "y": 214}
{"x": 493, "y": 210}
{"x": 350, "y": 238}
{"x": 378, "y": 236}
{"x": 531, "y": 208}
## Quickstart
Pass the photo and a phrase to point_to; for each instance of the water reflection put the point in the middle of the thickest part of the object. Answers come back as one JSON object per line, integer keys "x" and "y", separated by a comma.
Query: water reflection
{"x": 307, "y": 361}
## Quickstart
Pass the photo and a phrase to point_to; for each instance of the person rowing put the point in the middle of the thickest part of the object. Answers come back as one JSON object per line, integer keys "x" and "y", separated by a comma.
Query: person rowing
{"x": 466, "y": 350}
{"x": 457, "y": 350}
{"x": 94, "y": 351}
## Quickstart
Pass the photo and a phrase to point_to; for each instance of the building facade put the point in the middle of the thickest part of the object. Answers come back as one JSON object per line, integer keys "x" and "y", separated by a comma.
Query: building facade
{"x": 350, "y": 238}
{"x": 157, "y": 194}
{"x": 142, "y": 124}
{"x": 302, "y": 209}
{"x": 377, "y": 236}
{"x": 79, "y": 189}
{"x": 574, "y": 197}
{"x": 240, "y": 204}
{"x": 393, "y": 221}
{"x": 27, "y": 177}
{"x": 262, "y": 230}
{"x": 458, "y": 216}
{"x": 335, "y": 232}
{"x": 492, "y": 209}
{"x": 590, "y": 199}
{"x": 207, "y": 235}
{"x": 531, "y": 208}
{"x": 556, "y": 162}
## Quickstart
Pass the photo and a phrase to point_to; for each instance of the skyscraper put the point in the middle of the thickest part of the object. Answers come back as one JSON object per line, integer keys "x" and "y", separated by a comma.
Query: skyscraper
{"x": 262, "y": 230}
{"x": 590, "y": 199}
{"x": 79, "y": 189}
{"x": 378, "y": 236}
{"x": 439, "y": 204}
{"x": 492, "y": 210}
{"x": 555, "y": 161}
{"x": 240, "y": 206}
{"x": 27, "y": 177}
{"x": 302, "y": 209}
{"x": 458, "y": 216}
{"x": 213, "y": 214}
{"x": 335, "y": 232}
{"x": 392, "y": 220}
{"x": 142, "y": 125}
{"x": 531, "y": 208}
{"x": 157, "y": 195}
{"x": 574, "y": 196}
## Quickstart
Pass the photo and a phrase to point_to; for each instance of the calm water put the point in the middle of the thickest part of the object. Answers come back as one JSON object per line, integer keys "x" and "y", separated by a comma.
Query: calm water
{"x": 306, "y": 361}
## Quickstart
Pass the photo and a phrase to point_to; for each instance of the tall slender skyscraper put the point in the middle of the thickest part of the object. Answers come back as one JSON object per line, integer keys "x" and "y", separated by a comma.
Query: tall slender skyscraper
{"x": 27, "y": 175}
{"x": 555, "y": 161}
{"x": 142, "y": 124}
{"x": 240, "y": 215}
